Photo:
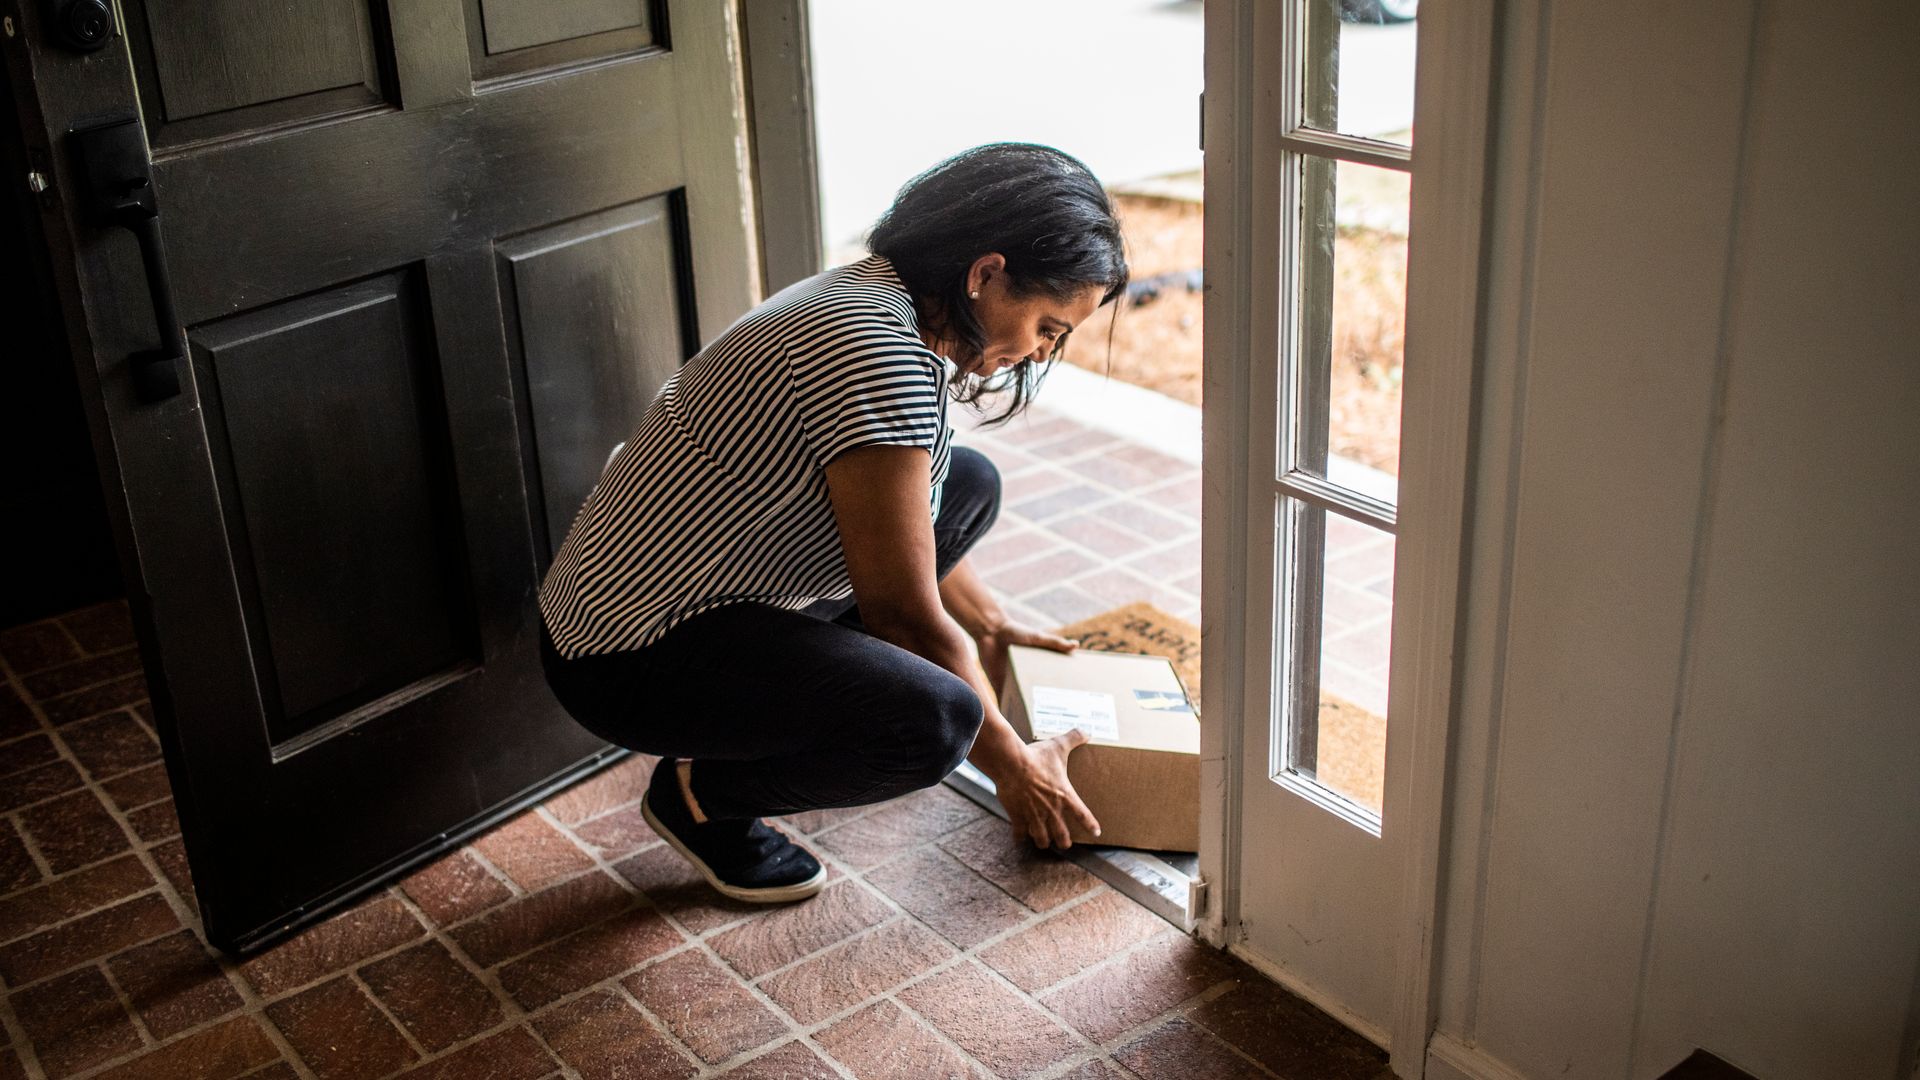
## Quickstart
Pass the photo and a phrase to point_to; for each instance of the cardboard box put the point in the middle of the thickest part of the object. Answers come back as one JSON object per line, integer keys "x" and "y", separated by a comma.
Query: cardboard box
{"x": 1140, "y": 773}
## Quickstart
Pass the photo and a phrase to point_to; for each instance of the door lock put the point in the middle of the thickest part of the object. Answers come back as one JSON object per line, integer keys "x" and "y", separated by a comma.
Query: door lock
{"x": 81, "y": 25}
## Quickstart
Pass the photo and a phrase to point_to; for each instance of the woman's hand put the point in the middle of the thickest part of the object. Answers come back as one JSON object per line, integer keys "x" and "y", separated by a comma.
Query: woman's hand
{"x": 1039, "y": 799}
{"x": 993, "y": 648}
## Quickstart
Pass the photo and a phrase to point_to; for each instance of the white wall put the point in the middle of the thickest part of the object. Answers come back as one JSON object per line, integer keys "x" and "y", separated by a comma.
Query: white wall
{"x": 1686, "y": 802}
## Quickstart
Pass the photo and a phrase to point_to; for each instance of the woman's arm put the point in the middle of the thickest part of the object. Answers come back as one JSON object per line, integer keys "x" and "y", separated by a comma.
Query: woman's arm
{"x": 880, "y": 497}
{"x": 972, "y": 605}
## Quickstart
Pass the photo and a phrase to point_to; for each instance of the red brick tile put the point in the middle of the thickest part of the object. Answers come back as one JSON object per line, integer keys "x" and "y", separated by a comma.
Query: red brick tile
{"x": 1102, "y": 539}
{"x": 1119, "y": 587}
{"x": 604, "y": 1037}
{"x": 849, "y": 974}
{"x": 789, "y": 933}
{"x": 172, "y": 857}
{"x": 619, "y": 833}
{"x": 1074, "y": 445}
{"x": 88, "y": 938}
{"x": 1055, "y": 503}
{"x": 102, "y": 627}
{"x": 37, "y": 646}
{"x": 884, "y": 1040}
{"x": 156, "y": 822}
{"x": 173, "y": 984}
{"x": 598, "y": 952}
{"x": 277, "y": 1071}
{"x": 1072, "y": 941}
{"x": 17, "y": 868}
{"x": 1033, "y": 483}
{"x": 533, "y": 853}
{"x": 1042, "y": 880}
{"x": 25, "y": 753}
{"x": 428, "y": 991}
{"x": 10, "y": 1067}
{"x": 375, "y": 926}
{"x": 1025, "y": 577}
{"x": 75, "y": 1022}
{"x": 947, "y": 896}
{"x": 1169, "y": 563}
{"x": 16, "y": 718}
{"x": 1176, "y": 1050}
{"x": 80, "y": 674}
{"x": 522, "y": 925}
{"x": 1065, "y": 604}
{"x": 139, "y": 787}
{"x": 455, "y": 888}
{"x": 232, "y": 1049}
{"x": 1286, "y": 1034}
{"x": 514, "y": 1054}
{"x": 73, "y": 831}
{"x": 793, "y": 1061}
{"x": 677, "y": 889}
{"x": 999, "y": 1027}
{"x": 704, "y": 1006}
{"x": 117, "y": 694}
{"x": 606, "y": 790}
{"x": 1097, "y": 1069}
{"x": 902, "y": 824}
{"x": 1135, "y": 515}
{"x": 111, "y": 744}
{"x": 36, "y": 784}
{"x": 339, "y": 1032}
{"x": 1139, "y": 986}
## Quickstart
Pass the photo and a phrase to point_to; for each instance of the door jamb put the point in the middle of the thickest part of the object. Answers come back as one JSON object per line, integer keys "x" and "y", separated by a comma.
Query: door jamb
{"x": 786, "y": 179}
{"x": 1453, "y": 109}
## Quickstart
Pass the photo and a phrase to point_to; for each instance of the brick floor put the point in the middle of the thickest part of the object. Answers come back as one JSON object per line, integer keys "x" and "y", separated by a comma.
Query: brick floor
{"x": 572, "y": 942}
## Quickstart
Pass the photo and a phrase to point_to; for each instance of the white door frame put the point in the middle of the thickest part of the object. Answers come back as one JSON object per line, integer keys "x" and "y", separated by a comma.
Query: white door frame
{"x": 1242, "y": 257}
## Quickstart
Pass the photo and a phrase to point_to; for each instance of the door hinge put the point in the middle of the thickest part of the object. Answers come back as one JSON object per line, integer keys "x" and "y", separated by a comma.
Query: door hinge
{"x": 1196, "y": 899}
{"x": 1203, "y": 123}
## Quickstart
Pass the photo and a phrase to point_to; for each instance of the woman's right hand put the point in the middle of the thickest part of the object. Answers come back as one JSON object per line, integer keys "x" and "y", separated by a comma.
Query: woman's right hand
{"x": 1038, "y": 797}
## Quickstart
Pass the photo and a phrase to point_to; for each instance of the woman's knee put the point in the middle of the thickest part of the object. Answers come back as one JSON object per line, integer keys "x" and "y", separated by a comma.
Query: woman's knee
{"x": 951, "y": 719}
{"x": 973, "y": 485}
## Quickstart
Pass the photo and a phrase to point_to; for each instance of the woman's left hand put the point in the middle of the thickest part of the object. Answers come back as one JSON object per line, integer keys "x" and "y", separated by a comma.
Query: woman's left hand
{"x": 993, "y": 648}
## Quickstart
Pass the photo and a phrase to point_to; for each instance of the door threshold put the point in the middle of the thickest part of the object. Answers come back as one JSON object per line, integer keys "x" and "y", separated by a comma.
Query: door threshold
{"x": 1156, "y": 880}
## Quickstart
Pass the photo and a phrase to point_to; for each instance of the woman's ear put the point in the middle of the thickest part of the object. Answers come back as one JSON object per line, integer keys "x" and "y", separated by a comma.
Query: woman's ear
{"x": 985, "y": 269}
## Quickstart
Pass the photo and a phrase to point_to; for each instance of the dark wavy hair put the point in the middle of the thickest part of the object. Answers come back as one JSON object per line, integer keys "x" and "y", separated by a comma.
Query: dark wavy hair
{"x": 1040, "y": 208}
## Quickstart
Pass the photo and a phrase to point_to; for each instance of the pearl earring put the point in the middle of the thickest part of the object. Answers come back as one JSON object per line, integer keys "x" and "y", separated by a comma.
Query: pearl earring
{"x": 974, "y": 295}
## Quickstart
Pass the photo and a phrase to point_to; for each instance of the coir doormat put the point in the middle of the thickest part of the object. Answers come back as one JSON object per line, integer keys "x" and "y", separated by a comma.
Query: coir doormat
{"x": 1352, "y": 741}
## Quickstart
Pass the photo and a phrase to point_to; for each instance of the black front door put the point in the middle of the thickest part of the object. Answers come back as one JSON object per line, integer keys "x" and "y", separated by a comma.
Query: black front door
{"x": 430, "y": 258}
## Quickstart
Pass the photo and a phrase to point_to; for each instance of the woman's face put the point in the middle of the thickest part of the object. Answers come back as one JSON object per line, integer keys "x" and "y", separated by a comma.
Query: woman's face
{"x": 1019, "y": 327}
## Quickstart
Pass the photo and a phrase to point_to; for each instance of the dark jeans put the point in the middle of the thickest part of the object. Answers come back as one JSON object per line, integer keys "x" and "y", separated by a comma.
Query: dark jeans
{"x": 783, "y": 711}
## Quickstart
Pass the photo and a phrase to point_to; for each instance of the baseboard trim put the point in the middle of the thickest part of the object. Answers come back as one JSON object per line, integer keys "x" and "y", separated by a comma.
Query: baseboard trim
{"x": 1450, "y": 1059}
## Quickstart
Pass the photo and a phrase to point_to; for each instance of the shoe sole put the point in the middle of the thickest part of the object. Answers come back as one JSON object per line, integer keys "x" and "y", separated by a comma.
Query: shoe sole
{"x": 777, "y": 894}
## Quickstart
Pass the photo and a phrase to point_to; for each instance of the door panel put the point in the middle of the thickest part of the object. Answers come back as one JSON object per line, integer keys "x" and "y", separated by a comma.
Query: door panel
{"x": 509, "y": 38}
{"x": 520, "y": 24}
{"x": 594, "y": 311}
{"x": 210, "y": 68}
{"x": 418, "y": 315}
{"x": 327, "y": 416}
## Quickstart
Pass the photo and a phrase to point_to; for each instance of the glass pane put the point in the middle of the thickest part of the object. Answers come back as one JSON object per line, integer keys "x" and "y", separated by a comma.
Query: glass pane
{"x": 1359, "y": 68}
{"x": 1341, "y": 623}
{"x": 1353, "y": 325}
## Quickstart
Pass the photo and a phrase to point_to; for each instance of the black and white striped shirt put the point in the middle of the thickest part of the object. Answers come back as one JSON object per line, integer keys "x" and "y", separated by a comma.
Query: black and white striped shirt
{"x": 720, "y": 496}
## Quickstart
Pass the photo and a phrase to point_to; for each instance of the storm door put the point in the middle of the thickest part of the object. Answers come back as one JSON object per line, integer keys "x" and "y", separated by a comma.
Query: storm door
{"x": 427, "y": 261}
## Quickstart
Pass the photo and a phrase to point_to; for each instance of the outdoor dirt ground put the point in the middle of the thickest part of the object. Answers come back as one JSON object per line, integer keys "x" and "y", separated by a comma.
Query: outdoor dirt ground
{"x": 1156, "y": 344}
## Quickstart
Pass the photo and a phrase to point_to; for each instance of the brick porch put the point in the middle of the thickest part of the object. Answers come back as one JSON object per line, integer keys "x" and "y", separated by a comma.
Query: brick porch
{"x": 571, "y": 942}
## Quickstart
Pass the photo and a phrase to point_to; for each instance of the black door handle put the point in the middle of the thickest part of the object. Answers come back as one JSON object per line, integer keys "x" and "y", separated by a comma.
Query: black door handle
{"x": 119, "y": 190}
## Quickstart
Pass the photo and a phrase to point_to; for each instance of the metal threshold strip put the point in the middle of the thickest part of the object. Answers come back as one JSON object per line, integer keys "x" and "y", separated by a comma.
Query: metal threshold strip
{"x": 1155, "y": 880}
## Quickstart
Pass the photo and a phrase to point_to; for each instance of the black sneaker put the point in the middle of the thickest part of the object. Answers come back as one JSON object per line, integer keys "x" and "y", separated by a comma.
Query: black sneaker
{"x": 747, "y": 860}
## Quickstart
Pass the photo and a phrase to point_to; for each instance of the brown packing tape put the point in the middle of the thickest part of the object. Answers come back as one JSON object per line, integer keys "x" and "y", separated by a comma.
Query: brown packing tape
{"x": 1352, "y": 740}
